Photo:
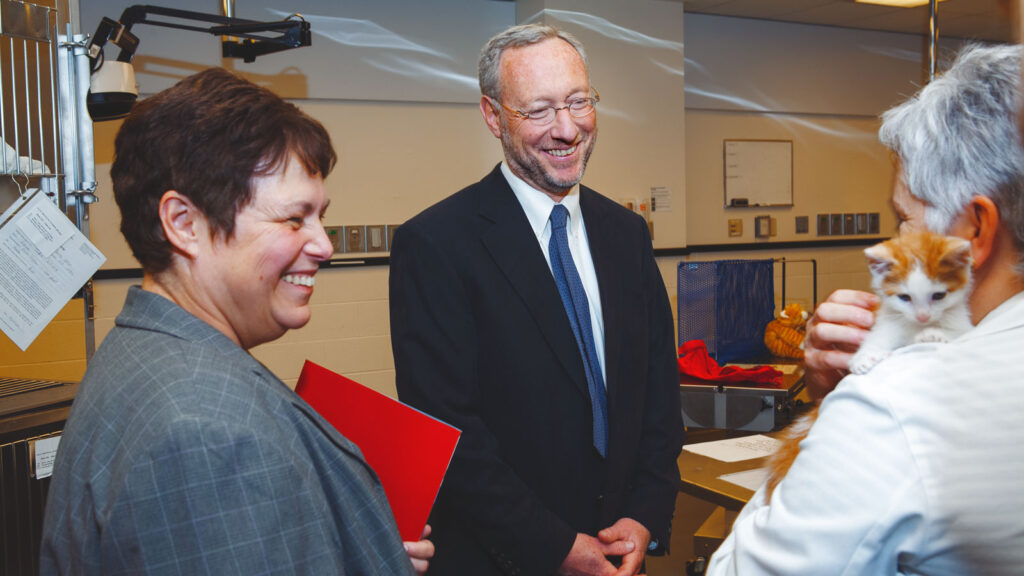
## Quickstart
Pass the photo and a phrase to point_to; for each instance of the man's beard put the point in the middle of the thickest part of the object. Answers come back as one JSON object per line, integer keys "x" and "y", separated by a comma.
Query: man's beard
{"x": 531, "y": 169}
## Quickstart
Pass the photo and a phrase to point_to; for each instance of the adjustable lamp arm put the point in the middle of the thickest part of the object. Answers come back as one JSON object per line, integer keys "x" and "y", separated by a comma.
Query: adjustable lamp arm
{"x": 113, "y": 87}
{"x": 253, "y": 38}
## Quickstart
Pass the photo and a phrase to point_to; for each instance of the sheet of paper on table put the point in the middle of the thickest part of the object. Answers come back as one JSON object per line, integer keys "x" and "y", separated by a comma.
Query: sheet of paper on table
{"x": 749, "y": 479}
{"x": 737, "y": 449}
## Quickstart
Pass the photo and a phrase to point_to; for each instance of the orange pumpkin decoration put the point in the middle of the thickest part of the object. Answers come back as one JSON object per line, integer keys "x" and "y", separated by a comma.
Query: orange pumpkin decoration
{"x": 784, "y": 336}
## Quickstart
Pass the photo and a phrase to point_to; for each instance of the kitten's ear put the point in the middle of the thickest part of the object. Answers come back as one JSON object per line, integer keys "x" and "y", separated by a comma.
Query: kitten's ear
{"x": 958, "y": 252}
{"x": 880, "y": 259}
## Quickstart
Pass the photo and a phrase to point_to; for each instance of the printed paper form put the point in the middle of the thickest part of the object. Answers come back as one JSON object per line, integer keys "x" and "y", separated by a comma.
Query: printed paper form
{"x": 737, "y": 449}
{"x": 44, "y": 452}
{"x": 44, "y": 260}
{"x": 661, "y": 199}
{"x": 749, "y": 479}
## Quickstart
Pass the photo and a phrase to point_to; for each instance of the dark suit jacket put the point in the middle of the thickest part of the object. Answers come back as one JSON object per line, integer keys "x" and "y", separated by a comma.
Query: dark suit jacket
{"x": 184, "y": 455}
{"x": 481, "y": 340}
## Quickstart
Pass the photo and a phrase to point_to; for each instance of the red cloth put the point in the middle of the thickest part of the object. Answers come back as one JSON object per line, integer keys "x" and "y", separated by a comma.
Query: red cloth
{"x": 694, "y": 361}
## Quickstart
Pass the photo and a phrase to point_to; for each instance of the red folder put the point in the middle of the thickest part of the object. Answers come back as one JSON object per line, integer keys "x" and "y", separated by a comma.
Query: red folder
{"x": 409, "y": 450}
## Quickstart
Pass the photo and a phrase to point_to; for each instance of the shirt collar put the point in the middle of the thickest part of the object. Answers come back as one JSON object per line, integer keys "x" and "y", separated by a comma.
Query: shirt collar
{"x": 538, "y": 205}
{"x": 1009, "y": 314}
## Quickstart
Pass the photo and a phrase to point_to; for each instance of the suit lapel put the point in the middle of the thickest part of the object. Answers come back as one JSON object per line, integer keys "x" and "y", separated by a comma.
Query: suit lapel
{"x": 604, "y": 251}
{"x": 509, "y": 239}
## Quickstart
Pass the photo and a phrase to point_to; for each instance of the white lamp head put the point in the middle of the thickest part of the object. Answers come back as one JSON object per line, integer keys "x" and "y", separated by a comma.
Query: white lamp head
{"x": 112, "y": 91}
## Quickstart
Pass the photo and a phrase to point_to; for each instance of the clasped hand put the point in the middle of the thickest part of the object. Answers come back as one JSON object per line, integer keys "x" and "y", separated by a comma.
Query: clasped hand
{"x": 626, "y": 539}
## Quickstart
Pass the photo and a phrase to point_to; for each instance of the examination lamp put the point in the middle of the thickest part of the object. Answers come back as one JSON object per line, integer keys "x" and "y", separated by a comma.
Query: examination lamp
{"x": 113, "y": 91}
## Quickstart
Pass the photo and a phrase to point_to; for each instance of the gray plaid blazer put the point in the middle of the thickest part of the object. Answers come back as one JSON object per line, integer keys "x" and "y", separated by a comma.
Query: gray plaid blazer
{"x": 184, "y": 455}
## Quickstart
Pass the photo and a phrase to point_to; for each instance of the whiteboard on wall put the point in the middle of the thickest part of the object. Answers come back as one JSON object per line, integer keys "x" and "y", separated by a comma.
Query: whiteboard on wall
{"x": 758, "y": 172}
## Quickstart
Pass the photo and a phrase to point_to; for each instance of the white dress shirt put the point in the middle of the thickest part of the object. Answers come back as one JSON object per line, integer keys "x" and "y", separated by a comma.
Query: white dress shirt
{"x": 537, "y": 206}
{"x": 916, "y": 467}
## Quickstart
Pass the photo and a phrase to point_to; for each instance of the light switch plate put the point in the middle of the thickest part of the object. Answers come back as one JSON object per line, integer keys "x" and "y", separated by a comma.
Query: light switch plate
{"x": 735, "y": 227}
{"x": 376, "y": 238}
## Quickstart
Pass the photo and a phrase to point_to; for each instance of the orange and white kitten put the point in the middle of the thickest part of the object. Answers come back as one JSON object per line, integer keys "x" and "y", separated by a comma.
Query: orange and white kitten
{"x": 923, "y": 280}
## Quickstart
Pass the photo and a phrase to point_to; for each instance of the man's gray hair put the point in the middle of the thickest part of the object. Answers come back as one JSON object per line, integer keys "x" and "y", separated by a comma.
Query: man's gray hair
{"x": 958, "y": 137}
{"x": 489, "y": 67}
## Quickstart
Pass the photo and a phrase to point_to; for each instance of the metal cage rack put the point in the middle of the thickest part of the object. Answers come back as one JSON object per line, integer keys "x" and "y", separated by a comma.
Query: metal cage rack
{"x": 29, "y": 107}
{"x": 45, "y": 144}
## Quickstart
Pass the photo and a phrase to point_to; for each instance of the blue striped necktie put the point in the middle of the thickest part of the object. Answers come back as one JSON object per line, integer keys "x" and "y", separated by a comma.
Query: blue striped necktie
{"x": 574, "y": 298}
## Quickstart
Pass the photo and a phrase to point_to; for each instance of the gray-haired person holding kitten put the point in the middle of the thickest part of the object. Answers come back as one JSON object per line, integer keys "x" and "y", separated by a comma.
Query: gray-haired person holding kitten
{"x": 915, "y": 464}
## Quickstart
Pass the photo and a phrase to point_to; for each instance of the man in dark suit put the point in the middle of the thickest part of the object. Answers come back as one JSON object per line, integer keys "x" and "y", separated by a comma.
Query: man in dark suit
{"x": 549, "y": 342}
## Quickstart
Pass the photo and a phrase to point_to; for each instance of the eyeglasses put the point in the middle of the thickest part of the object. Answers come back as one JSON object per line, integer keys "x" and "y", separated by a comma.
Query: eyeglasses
{"x": 578, "y": 108}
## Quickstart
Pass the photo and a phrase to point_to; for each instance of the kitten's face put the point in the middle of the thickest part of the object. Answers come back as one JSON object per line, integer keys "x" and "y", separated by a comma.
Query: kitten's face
{"x": 919, "y": 298}
{"x": 920, "y": 274}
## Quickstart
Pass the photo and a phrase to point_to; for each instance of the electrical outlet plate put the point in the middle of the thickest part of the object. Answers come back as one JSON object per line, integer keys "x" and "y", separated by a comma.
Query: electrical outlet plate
{"x": 376, "y": 238}
{"x": 823, "y": 228}
{"x": 355, "y": 239}
{"x": 849, "y": 224}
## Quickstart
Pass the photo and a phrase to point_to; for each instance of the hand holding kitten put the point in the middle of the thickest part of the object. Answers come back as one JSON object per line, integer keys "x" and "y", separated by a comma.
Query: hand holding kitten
{"x": 834, "y": 333}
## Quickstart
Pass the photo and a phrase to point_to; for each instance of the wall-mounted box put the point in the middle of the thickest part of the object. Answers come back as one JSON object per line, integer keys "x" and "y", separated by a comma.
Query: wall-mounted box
{"x": 802, "y": 225}
{"x": 849, "y": 224}
{"x": 762, "y": 226}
